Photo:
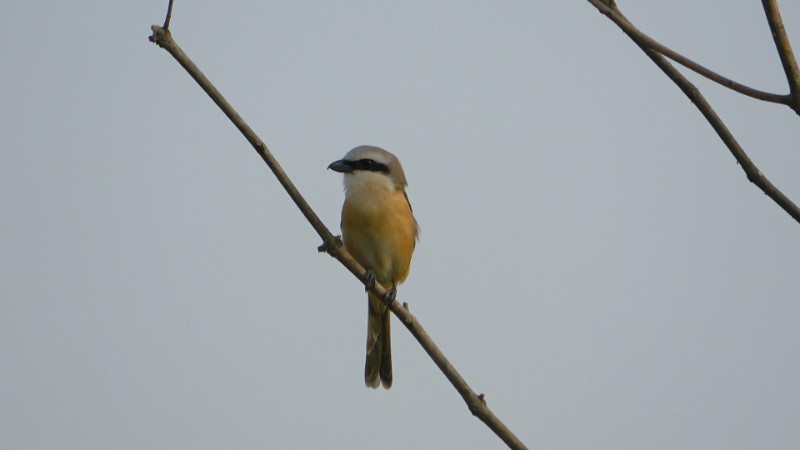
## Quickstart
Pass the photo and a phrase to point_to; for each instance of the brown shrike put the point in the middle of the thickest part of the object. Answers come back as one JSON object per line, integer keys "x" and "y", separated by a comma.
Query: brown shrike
{"x": 379, "y": 230}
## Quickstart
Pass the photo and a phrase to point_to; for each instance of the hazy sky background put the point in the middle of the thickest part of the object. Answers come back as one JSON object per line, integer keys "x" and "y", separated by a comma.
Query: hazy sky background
{"x": 592, "y": 257}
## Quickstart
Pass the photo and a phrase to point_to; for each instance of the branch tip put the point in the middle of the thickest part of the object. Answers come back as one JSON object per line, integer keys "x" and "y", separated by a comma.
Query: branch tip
{"x": 169, "y": 15}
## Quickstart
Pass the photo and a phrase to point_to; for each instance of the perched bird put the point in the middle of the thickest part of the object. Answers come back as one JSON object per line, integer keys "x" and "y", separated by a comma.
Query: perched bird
{"x": 379, "y": 230}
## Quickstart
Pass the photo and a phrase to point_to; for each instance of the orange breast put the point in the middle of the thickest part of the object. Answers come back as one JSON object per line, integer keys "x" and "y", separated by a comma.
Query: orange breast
{"x": 379, "y": 230}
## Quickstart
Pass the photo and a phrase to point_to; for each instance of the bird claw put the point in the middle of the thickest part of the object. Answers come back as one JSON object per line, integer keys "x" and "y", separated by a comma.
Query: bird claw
{"x": 390, "y": 295}
{"x": 369, "y": 283}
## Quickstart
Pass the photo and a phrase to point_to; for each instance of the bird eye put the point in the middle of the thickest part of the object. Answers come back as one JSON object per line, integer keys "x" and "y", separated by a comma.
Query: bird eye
{"x": 371, "y": 165}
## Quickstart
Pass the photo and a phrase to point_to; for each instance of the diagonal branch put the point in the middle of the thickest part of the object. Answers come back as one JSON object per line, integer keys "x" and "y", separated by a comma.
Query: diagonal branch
{"x": 784, "y": 51}
{"x": 639, "y": 37}
{"x": 750, "y": 169}
{"x": 476, "y": 403}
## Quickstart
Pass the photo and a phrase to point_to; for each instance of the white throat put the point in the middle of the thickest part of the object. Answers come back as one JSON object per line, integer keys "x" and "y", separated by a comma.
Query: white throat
{"x": 361, "y": 182}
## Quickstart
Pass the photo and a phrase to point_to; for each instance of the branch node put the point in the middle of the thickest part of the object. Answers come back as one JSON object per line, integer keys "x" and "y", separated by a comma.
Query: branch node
{"x": 159, "y": 36}
{"x": 755, "y": 177}
{"x": 477, "y": 405}
{"x": 785, "y": 52}
{"x": 331, "y": 248}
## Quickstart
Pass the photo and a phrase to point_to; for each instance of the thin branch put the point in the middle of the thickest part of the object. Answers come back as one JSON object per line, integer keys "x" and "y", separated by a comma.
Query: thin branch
{"x": 750, "y": 169}
{"x": 169, "y": 16}
{"x": 641, "y": 38}
{"x": 164, "y": 40}
{"x": 476, "y": 403}
{"x": 784, "y": 51}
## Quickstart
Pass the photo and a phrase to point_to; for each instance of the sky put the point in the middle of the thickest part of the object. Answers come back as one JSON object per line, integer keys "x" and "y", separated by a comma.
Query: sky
{"x": 592, "y": 258}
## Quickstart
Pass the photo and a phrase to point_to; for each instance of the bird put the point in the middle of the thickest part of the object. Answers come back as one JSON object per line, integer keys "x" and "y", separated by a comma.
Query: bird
{"x": 380, "y": 231}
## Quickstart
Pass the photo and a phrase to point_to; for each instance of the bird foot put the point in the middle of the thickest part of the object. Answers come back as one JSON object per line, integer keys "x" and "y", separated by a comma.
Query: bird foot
{"x": 369, "y": 283}
{"x": 390, "y": 295}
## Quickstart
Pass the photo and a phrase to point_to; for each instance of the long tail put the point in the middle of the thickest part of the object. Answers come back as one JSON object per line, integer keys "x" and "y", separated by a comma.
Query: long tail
{"x": 378, "y": 368}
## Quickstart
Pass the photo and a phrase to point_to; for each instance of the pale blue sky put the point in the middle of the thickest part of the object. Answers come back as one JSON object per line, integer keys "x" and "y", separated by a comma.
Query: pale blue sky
{"x": 592, "y": 257}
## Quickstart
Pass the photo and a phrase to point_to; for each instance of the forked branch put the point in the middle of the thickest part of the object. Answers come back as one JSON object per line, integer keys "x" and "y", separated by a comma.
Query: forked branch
{"x": 610, "y": 10}
{"x": 784, "y": 51}
{"x": 476, "y": 403}
{"x": 639, "y": 37}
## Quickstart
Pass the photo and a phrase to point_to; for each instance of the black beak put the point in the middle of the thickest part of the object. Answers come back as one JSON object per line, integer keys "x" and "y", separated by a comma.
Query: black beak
{"x": 341, "y": 166}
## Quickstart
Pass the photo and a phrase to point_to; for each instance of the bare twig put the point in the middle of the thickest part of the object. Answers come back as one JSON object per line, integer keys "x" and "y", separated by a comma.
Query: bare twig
{"x": 169, "y": 16}
{"x": 784, "y": 51}
{"x": 476, "y": 403}
{"x": 750, "y": 169}
{"x": 637, "y": 35}
{"x": 164, "y": 40}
